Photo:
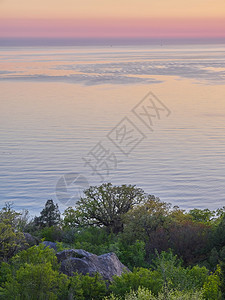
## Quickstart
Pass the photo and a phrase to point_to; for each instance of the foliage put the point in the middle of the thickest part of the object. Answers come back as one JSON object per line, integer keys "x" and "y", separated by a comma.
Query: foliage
{"x": 189, "y": 240}
{"x": 11, "y": 239}
{"x": 52, "y": 234}
{"x": 92, "y": 239}
{"x": 33, "y": 274}
{"x": 31, "y": 281}
{"x": 133, "y": 255}
{"x": 142, "y": 220}
{"x": 222, "y": 271}
{"x": 36, "y": 255}
{"x": 84, "y": 287}
{"x": 145, "y": 294}
{"x": 49, "y": 216}
{"x": 106, "y": 205}
{"x": 172, "y": 254}
{"x": 202, "y": 215}
{"x": 167, "y": 275}
{"x": 140, "y": 277}
{"x": 175, "y": 276}
{"x": 219, "y": 234}
{"x": 211, "y": 288}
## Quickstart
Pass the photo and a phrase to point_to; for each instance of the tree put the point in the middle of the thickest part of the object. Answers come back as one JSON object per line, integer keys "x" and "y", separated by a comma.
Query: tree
{"x": 212, "y": 286}
{"x": 189, "y": 240}
{"x": 140, "y": 277}
{"x": 70, "y": 220}
{"x": 50, "y": 215}
{"x": 202, "y": 215}
{"x": 219, "y": 234}
{"x": 106, "y": 205}
{"x": 85, "y": 287}
{"x": 34, "y": 274}
{"x": 11, "y": 239}
{"x": 222, "y": 271}
{"x": 148, "y": 222}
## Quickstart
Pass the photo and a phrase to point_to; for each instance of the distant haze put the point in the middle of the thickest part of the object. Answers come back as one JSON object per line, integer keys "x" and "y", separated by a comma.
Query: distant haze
{"x": 108, "y": 42}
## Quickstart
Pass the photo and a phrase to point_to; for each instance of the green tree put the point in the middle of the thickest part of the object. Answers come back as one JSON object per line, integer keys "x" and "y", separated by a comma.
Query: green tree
{"x": 49, "y": 216}
{"x": 35, "y": 255}
{"x": 71, "y": 219}
{"x": 148, "y": 222}
{"x": 132, "y": 256}
{"x": 152, "y": 280}
{"x": 222, "y": 271}
{"x": 105, "y": 206}
{"x": 33, "y": 274}
{"x": 31, "y": 282}
{"x": 145, "y": 294}
{"x": 211, "y": 288}
{"x": 11, "y": 238}
{"x": 202, "y": 215}
{"x": 84, "y": 287}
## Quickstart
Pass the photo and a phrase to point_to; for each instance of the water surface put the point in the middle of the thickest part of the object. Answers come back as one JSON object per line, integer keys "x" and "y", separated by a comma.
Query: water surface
{"x": 58, "y": 104}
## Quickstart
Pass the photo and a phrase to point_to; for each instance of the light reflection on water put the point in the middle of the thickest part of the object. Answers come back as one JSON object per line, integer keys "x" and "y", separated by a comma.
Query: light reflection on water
{"x": 48, "y": 125}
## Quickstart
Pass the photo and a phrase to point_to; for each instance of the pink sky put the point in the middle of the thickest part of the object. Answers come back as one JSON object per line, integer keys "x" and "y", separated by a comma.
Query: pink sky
{"x": 164, "y": 27}
{"x": 112, "y": 18}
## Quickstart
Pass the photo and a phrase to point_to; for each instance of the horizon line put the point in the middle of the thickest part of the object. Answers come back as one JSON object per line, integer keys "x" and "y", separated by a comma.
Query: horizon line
{"x": 92, "y": 41}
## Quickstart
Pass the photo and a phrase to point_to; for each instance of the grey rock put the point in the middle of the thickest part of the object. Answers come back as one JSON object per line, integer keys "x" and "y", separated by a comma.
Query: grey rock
{"x": 30, "y": 239}
{"x": 83, "y": 262}
{"x": 77, "y": 253}
{"x": 50, "y": 245}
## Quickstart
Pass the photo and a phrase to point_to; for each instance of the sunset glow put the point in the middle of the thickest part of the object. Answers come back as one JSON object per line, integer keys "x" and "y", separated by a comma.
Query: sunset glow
{"x": 112, "y": 18}
{"x": 111, "y": 28}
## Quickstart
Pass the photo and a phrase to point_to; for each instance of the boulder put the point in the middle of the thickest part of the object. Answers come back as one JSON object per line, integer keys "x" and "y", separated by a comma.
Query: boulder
{"x": 83, "y": 262}
{"x": 50, "y": 245}
{"x": 30, "y": 240}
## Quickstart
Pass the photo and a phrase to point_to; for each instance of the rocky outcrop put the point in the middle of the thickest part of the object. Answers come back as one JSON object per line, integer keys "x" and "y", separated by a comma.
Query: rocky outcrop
{"x": 51, "y": 245}
{"x": 30, "y": 240}
{"x": 83, "y": 262}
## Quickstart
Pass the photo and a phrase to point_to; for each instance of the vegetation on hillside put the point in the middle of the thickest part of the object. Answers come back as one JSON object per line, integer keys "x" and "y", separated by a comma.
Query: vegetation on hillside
{"x": 172, "y": 254}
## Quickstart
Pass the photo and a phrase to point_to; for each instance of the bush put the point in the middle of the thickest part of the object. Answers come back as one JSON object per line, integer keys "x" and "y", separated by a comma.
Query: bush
{"x": 151, "y": 280}
{"x": 11, "y": 238}
{"x": 168, "y": 275}
{"x": 84, "y": 287}
{"x": 51, "y": 234}
{"x": 177, "y": 277}
{"x": 35, "y": 255}
{"x": 31, "y": 282}
{"x": 145, "y": 294}
{"x": 133, "y": 256}
{"x": 33, "y": 274}
{"x": 211, "y": 288}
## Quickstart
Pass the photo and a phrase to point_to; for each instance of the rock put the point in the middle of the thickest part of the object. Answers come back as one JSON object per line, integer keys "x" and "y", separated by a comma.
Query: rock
{"x": 30, "y": 240}
{"x": 77, "y": 253}
{"x": 50, "y": 245}
{"x": 83, "y": 262}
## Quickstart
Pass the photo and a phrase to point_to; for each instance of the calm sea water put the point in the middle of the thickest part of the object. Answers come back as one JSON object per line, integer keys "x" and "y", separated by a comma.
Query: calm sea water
{"x": 63, "y": 110}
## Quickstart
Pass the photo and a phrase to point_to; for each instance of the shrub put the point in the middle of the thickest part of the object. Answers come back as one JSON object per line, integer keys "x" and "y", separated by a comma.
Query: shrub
{"x": 84, "y": 287}
{"x": 145, "y": 294}
{"x": 151, "y": 280}
{"x": 31, "y": 282}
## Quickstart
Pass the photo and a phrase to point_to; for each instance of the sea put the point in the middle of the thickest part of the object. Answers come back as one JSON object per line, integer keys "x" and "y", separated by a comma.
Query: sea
{"x": 74, "y": 115}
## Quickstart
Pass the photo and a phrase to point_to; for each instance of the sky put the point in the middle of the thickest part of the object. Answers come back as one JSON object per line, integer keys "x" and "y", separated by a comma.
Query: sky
{"x": 112, "y": 18}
